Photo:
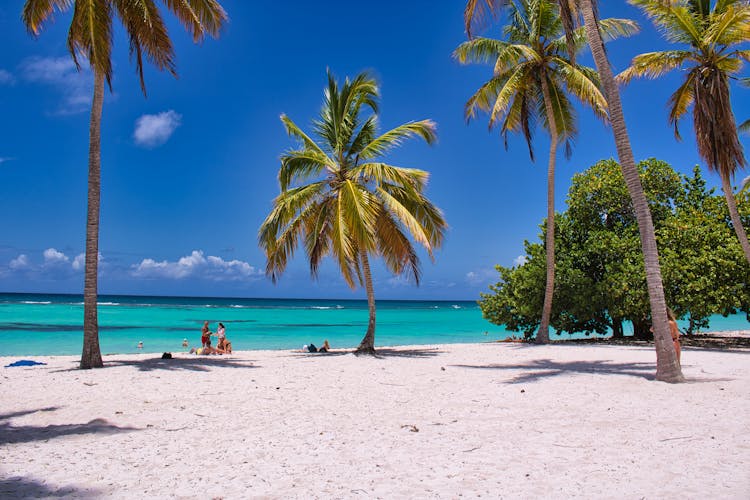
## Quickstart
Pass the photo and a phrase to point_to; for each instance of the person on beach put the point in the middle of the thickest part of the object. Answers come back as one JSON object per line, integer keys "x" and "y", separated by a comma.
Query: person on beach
{"x": 311, "y": 347}
{"x": 675, "y": 332}
{"x": 205, "y": 335}
{"x": 325, "y": 347}
{"x": 221, "y": 336}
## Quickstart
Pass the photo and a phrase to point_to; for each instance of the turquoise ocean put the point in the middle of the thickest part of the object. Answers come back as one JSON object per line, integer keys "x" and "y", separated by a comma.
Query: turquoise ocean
{"x": 51, "y": 324}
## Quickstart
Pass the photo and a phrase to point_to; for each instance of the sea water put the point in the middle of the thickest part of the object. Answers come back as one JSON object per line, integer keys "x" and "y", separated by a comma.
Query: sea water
{"x": 37, "y": 324}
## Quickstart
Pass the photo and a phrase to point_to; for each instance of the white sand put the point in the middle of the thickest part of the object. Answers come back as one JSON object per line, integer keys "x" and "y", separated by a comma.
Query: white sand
{"x": 490, "y": 420}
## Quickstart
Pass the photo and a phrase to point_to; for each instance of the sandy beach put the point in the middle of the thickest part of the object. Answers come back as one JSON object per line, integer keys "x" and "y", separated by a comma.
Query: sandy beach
{"x": 498, "y": 420}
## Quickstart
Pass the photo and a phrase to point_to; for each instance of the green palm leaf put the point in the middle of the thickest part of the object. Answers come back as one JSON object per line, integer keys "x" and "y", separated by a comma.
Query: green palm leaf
{"x": 426, "y": 129}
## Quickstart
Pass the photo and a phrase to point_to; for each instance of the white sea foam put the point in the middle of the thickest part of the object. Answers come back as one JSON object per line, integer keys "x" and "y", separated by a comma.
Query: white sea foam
{"x": 35, "y": 302}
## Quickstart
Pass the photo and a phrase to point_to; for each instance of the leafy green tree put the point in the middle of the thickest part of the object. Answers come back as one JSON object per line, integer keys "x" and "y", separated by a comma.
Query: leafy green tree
{"x": 713, "y": 56}
{"x": 571, "y": 11}
{"x": 339, "y": 198}
{"x": 705, "y": 270}
{"x": 600, "y": 269}
{"x": 531, "y": 79}
{"x": 90, "y": 36}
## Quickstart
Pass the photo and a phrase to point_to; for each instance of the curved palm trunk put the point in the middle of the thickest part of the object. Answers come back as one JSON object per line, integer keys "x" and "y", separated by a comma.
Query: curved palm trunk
{"x": 542, "y": 336}
{"x": 367, "y": 346}
{"x": 667, "y": 367}
{"x": 734, "y": 214}
{"x": 92, "y": 356}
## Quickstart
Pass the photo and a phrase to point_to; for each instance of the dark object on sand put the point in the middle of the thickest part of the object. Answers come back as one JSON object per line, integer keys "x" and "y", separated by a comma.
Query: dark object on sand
{"x": 166, "y": 355}
{"x": 24, "y": 362}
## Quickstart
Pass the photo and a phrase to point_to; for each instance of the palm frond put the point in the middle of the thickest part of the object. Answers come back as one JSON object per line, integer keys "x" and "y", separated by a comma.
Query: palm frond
{"x": 484, "y": 98}
{"x": 301, "y": 164}
{"x": 318, "y": 229}
{"x": 199, "y": 17}
{"x": 343, "y": 246}
{"x": 358, "y": 208}
{"x": 397, "y": 251}
{"x": 147, "y": 32}
{"x": 681, "y": 100}
{"x": 406, "y": 217}
{"x": 425, "y": 212}
{"x": 381, "y": 173}
{"x": 614, "y": 28}
{"x": 654, "y": 64}
{"x": 426, "y": 129}
{"x": 282, "y": 229}
{"x": 294, "y": 131}
{"x": 513, "y": 84}
{"x": 583, "y": 83}
{"x": 36, "y": 12}
{"x": 479, "y": 12}
{"x": 90, "y": 35}
{"x": 729, "y": 26}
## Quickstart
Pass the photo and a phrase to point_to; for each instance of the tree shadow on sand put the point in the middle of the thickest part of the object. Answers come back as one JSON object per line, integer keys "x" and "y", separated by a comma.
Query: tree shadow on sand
{"x": 195, "y": 363}
{"x": 11, "y": 434}
{"x": 24, "y": 487}
{"x": 546, "y": 368}
{"x": 395, "y": 352}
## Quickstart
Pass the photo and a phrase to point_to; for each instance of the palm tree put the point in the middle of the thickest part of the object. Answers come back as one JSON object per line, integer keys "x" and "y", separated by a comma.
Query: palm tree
{"x": 709, "y": 62}
{"x": 90, "y": 37}
{"x": 667, "y": 367}
{"x": 531, "y": 75}
{"x": 339, "y": 198}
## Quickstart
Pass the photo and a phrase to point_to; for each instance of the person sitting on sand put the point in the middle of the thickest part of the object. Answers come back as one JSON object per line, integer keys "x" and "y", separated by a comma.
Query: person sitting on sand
{"x": 205, "y": 334}
{"x": 311, "y": 347}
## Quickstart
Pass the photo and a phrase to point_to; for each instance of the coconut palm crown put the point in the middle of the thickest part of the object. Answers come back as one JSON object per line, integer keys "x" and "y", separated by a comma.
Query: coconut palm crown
{"x": 710, "y": 58}
{"x": 339, "y": 198}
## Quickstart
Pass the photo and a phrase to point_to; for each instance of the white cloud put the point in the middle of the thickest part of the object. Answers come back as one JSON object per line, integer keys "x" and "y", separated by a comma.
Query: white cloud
{"x": 79, "y": 261}
{"x": 520, "y": 260}
{"x": 53, "y": 257}
{"x": 196, "y": 265}
{"x": 20, "y": 262}
{"x": 61, "y": 72}
{"x": 4, "y": 159}
{"x": 481, "y": 276}
{"x": 6, "y": 78}
{"x": 155, "y": 130}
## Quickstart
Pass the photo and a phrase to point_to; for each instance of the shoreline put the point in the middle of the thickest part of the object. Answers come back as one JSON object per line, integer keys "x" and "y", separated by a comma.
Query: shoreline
{"x": 715, "y": 339}
{"x": 492, "y": 419}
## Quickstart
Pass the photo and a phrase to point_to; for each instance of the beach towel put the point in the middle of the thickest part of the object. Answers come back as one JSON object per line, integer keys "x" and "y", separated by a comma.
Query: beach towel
{"x": 24, "y": 362}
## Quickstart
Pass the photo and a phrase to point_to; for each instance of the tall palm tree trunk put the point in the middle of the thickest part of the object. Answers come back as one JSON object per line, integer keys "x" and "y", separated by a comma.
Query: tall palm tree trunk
{"x": 367, "y": 346}
{"x": 542, "y": 336}
{"x": 667, "y": 367}
{"x": 734, "y": 214}
{"x": 92, "y": 356}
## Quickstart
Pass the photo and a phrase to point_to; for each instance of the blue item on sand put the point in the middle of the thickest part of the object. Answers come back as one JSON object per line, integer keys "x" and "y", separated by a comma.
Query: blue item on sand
{"x": 24, "y": 362}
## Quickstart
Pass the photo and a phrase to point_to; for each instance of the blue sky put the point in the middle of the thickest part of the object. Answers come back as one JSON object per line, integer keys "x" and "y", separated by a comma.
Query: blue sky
{"x": 188, "y": 173}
